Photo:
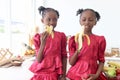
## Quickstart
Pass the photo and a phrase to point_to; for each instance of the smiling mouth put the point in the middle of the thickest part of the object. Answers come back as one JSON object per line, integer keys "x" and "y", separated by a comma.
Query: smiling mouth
{"x": 87, "y": 26}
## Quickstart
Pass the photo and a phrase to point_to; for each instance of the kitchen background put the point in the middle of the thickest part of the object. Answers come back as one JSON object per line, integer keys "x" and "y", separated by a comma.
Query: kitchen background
{"x": 19, "y": 18}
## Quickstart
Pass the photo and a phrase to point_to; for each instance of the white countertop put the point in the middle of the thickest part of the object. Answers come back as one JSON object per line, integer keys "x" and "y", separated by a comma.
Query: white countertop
{"x": 22, "y": 72}
{"x": 112, "y": 58}
{"x": 17, "y": 73}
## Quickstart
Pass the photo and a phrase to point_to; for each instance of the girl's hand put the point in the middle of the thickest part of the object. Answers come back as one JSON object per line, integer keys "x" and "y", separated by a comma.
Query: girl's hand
{"x": 92, "y": 77}
{"x": 44, "y": 37}
{"x": 62, "y": 77}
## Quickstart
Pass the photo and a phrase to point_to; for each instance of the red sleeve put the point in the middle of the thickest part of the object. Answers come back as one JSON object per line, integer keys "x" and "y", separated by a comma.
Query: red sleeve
{"x": 102, "y": 47}
{"x": 64, "y": 44}
{"x": 72, "y": 46}
{"x": 36, "y": 41}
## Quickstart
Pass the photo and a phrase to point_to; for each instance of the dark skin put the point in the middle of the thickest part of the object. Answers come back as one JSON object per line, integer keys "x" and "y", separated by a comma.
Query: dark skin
{"x": 88, "y": 19}
{"x": 50, "y": 18}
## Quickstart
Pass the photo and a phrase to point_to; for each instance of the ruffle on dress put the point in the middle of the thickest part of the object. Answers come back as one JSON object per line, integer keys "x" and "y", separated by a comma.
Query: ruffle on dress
{"x": 45, "y": 76}
{"x": 48, "y": 64}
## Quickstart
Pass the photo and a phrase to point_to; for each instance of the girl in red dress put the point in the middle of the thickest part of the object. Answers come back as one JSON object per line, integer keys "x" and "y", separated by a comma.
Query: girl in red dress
{"x": 88, "y": 61}
{"x": 51, "y": 55}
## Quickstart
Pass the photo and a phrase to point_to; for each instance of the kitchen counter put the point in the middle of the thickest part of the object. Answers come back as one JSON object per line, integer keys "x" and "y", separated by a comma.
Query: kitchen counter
{"x": 17, "y": 72}
{"x": 112, "y": 58}
{"x": 107, "y": 59}
{"x": 20, "y": 72}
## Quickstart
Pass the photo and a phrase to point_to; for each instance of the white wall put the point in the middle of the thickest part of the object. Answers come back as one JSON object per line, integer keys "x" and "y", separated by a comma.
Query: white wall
{"x": 107, "y": 26}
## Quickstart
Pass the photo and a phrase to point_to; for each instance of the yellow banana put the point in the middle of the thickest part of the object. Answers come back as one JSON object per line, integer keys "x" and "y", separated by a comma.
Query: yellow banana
{"x": 116, "y": 64}
{"x": 79, "y": 36}
{"x": 88, "y": 39}
{"x": 80, "y": 41}
{"x": 76, "y": 37}
{"x": 49, "y": 29}
{"x": 112, "y": 66}
{"x": 106, "y": 68}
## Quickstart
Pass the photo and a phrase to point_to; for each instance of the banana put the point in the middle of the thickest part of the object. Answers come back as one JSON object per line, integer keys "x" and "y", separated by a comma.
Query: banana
{"x": 80, "y": 41}
{"x": 49, "y": 29}
{"x": 88, "y": 39}
{"x": 79, "y": 38}
{"x": 106, "y": 68}
{"x": 116, "y": 64}
{"x": 76, "y": 37}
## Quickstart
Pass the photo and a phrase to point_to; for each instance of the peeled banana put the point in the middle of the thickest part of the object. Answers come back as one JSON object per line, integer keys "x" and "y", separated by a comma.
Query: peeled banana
{"x": 79, "y": 38}
{"x": 49, "y": 29}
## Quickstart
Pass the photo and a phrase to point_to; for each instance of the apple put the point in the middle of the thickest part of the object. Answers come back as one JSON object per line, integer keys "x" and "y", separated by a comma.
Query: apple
{"x": 118, "y": 71}
{"x": 111, "y": 73}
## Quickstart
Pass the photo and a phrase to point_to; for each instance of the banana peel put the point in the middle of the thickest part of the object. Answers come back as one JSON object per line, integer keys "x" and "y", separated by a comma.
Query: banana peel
{"x": 88, "y": 39}
{"x": 79, "y": 38}
{"x": 49, "y": 29}
{"x": 80, "y": 41}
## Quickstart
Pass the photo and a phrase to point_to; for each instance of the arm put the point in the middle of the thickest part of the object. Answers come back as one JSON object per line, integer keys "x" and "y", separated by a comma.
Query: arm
{"x": 64, "y": 56}
{"x": 100, "y": 68}
{"x": 73, "y": 51}
{"x": 64, "y": 61}
{"x": 40, "y": 53}
{"x": 101, "y": 59}
{"x": 73, "y": 58}
{"x": 102, "y": 47}
{"x": 43, "y": 41}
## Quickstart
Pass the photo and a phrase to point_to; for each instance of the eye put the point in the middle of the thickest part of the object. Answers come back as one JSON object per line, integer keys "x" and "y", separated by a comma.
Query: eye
{"x": 55, "y": 19}
{"x": 49, "y": 19}
{"x": 83, "y": 19}
{"x": 91, "y": 20}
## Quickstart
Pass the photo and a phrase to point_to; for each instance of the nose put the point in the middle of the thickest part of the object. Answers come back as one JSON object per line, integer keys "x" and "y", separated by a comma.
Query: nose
{"x": 52, "y": 22}
{"x": 86, "y": 22}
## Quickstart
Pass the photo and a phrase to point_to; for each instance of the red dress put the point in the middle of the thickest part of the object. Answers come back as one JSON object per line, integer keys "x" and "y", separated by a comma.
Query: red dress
{"x": 51, "y": 66}
{"x": 87, "y": 58}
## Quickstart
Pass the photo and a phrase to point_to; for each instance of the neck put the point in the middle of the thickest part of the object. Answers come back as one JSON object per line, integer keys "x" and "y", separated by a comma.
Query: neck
{"x": 88, "y": 33}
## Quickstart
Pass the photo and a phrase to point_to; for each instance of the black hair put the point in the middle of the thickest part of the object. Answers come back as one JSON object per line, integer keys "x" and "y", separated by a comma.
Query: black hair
{"x": 43, "y": 10}
{"x": 80, "y": 11}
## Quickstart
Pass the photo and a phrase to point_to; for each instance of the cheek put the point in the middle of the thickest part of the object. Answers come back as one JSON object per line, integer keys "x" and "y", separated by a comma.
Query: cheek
{"x": 45, "y": 22}
{"x": 80, "y": 22}
{"x": 95, "y": 23}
